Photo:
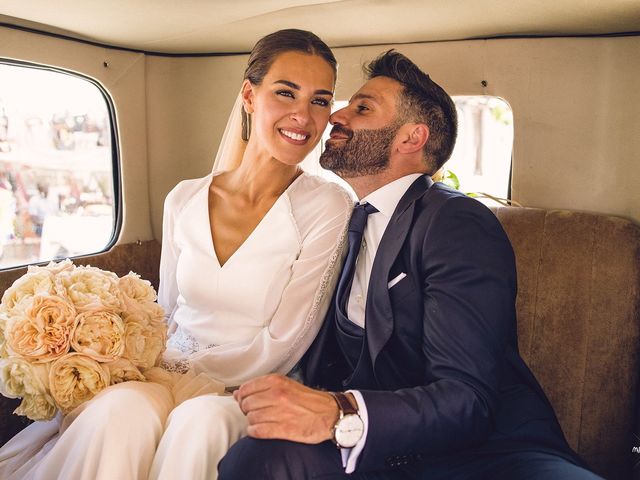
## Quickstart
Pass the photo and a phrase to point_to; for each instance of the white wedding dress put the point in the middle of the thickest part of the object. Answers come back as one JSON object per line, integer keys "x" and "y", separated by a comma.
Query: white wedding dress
{"x": 256, "y": 314}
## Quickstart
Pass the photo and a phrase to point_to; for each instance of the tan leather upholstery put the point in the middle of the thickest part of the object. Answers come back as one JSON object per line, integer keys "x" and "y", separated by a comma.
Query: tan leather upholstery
{"x": 578, "y": 322}
{"x": 579, "y": 325}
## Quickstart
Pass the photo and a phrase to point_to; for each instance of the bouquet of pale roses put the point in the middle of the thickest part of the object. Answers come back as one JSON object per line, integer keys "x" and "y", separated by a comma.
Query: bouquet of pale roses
{"x": 68, "y": 332}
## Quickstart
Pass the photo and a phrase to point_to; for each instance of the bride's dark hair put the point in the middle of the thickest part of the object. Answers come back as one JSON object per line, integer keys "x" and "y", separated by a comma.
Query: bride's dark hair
{"x": 269, "y": 47}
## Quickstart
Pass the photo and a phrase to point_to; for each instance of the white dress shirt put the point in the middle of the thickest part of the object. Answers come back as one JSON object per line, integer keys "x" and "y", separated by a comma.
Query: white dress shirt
{"x": 385, "y": 199}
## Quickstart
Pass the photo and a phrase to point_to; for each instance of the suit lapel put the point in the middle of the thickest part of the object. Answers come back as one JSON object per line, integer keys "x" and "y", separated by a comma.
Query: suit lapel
{"x": 379, "y": 315}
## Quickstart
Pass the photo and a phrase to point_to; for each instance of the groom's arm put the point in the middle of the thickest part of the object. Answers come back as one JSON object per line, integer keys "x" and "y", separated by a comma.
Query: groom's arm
{"x": 278, "y": 407}
{"x": 468, "y": 296}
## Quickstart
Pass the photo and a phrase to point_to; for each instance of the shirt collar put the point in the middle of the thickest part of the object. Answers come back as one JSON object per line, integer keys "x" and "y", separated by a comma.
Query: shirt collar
{"x": 387, "y": 197}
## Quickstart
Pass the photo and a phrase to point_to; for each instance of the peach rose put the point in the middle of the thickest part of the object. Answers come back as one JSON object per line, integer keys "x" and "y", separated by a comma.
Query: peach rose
{"x": 19, "y": 295}
{"x": 155, "y": 313}
{"x": 144, "y": 341}
{"x": 122, "y": 370}
{"x": 42, "y": 332}
{"x": 99, "y": 334}
{"x": 90, "y": 288}
{"x": 74, "y": 379}
{"x": 136, "y": 291}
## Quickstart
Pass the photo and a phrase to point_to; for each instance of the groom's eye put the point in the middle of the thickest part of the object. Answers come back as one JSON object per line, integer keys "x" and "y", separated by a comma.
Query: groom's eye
{"x": 362, "y": 108}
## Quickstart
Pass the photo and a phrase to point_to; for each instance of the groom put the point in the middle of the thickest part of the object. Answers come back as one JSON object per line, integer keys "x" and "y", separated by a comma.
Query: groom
{"x": 416, "y": 371}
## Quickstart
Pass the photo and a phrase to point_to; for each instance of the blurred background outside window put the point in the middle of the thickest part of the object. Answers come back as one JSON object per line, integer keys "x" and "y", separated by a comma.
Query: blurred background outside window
{"x": 56, "y": 166}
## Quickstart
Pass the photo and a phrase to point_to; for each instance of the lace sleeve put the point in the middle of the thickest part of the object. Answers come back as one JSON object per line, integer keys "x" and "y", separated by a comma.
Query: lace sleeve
{"x": 322, "y": 217}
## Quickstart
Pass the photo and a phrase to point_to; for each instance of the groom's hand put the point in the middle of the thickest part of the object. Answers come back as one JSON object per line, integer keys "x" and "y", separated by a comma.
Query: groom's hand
{"x": 280, "y": 408}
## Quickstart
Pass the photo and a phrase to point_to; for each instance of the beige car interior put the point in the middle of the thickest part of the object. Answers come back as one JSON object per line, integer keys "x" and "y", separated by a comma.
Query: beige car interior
{"x": 569, "y": 69}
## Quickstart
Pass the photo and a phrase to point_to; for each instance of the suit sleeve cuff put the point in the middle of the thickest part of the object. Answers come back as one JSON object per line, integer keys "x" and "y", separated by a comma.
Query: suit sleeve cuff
{"x": 350, "y": 455}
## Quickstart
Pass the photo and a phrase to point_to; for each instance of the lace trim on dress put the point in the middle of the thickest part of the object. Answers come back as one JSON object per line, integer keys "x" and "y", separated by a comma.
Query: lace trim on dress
{"x": 326, "y": 282}
{"x": 185, "y": 343}
{"x": 179, "y": 366}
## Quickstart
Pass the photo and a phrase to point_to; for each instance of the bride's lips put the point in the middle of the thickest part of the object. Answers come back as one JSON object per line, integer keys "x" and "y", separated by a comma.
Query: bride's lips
{"x": 294, "y": 136}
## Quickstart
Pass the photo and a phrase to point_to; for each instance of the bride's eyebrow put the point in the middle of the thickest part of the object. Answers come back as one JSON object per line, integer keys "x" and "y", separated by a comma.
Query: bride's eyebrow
{"x": 295, "y": 86}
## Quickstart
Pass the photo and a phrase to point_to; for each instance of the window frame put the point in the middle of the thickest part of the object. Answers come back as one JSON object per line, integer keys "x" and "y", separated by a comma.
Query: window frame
{"x": 116, "y": 174}
{"x": 508, "y": 196}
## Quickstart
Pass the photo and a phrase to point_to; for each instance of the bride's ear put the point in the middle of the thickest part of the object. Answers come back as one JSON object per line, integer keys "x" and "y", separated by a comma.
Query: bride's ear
{"x": 247, "y": 96}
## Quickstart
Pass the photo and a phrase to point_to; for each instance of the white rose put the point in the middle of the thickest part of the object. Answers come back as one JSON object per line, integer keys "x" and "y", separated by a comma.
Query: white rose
{"x": 122, "y": 370}
{"x": 74, "y": 379}
{"x": 19, "y": 295}
{"x": 37, "y": 407}
{"x": 90, "y": 288}
{"x": 53, "y": 267}
{"x": 99, "y": 334}
{"x": 144, "y": 341}
{"x": 18, "y": 378}
{"x": 136, "y": 290}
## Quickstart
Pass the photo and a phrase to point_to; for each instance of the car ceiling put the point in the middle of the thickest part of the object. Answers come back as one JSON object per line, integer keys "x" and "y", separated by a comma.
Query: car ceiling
{"x": 232, "y": 26}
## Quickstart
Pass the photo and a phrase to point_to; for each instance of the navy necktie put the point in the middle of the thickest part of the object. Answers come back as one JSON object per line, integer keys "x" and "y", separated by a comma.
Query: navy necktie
{"x": 356, "y": 229}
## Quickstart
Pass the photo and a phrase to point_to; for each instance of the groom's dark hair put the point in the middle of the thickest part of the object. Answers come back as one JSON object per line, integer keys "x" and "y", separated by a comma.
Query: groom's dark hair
{"x": 422, "y": 101}
{"x": 269, "y": 47}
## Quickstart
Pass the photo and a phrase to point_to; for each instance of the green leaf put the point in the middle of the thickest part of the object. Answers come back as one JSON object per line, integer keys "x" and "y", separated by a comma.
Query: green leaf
{"x": 451, "y": 179}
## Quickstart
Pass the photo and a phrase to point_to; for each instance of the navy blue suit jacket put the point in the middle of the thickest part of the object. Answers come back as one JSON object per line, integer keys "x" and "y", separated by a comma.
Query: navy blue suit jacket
{"x": 440, "y": 370}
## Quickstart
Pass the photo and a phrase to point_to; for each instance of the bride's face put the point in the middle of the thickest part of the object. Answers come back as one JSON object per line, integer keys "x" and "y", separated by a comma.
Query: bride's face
{"x": 291, "y": 107}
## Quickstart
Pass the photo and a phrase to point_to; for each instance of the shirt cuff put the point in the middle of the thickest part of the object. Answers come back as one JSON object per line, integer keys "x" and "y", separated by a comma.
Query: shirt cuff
{"x": 350, "y": 455}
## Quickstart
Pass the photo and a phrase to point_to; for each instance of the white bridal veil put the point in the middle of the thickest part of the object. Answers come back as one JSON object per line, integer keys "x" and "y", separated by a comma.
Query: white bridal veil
{"x": 232, "y": 146}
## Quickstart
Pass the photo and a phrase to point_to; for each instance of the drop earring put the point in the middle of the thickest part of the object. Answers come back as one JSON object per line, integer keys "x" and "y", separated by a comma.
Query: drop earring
{"x": 246, "y": 125}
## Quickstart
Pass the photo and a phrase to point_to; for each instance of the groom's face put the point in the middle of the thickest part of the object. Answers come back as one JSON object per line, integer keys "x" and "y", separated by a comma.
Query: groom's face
{"x": 364, "y": 131}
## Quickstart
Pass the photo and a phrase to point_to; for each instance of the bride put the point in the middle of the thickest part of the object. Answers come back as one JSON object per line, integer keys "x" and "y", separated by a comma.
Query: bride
{"x": 249, "y": 260}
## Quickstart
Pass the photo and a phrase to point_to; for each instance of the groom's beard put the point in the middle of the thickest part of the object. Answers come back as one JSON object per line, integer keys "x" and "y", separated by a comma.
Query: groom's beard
{"x": 364, "y": 152}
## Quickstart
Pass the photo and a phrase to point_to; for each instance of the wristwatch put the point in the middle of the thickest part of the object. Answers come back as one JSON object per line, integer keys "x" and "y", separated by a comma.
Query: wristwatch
{"x": 349, "y": 428}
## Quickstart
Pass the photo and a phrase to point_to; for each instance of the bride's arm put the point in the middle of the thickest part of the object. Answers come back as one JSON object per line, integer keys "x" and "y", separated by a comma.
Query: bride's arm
{"x": 304, "y": 302}
{"x": 168, "y": 288}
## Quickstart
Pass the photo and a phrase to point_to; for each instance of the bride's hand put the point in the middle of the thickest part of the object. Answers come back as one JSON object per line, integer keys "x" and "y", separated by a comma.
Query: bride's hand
{"x": 280, "y": 408}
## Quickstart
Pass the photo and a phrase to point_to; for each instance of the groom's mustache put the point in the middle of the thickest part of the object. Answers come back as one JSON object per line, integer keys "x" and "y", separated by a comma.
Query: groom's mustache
{"x": 340, "y": 132}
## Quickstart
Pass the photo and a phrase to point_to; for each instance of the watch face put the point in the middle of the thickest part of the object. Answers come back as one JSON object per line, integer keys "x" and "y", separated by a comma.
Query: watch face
{"x": 349, "y": 430}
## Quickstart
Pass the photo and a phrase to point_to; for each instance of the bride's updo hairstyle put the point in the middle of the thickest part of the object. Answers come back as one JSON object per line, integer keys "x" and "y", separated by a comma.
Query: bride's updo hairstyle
{"x": 269, "y": 47}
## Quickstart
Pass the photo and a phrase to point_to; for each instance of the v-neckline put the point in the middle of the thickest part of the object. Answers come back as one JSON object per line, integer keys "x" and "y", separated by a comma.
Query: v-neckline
{"x": 255, "y": 229}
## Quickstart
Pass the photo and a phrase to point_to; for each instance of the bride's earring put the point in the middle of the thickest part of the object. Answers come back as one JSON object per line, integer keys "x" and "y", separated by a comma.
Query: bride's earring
{"x": 246, "y": 125}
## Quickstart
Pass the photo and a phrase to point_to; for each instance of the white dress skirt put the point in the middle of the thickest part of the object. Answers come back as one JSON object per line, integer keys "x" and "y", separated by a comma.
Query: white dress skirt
{"x": 255, "y": 314}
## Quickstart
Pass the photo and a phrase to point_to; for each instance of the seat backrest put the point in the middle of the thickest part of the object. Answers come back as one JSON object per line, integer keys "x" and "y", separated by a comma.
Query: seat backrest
{"x": 579, "y": 325}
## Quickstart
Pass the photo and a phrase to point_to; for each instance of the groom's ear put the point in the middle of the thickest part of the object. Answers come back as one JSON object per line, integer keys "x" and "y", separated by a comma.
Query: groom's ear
{"x": 247, "y": 96}
{"x": 413, "y": 137}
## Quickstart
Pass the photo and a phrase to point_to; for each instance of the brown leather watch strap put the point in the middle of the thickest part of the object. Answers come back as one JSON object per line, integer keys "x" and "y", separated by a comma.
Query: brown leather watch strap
{"x": 344, "y": 404}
